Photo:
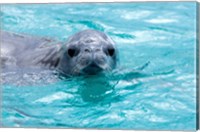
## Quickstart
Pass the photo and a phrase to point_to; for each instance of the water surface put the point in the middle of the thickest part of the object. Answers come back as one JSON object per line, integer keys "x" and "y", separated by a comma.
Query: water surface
{"x": 153, "y": 87}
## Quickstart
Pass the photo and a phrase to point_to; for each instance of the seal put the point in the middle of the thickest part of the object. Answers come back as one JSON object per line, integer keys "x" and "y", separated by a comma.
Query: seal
{"x": 87, "y": 52}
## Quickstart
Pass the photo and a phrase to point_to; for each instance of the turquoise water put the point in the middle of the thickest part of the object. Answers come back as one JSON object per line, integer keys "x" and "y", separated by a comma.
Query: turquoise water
{"x": 153, "y": 87}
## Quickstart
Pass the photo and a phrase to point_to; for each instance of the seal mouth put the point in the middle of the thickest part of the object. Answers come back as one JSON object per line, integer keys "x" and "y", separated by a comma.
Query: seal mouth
{"x": 92, "y": 69}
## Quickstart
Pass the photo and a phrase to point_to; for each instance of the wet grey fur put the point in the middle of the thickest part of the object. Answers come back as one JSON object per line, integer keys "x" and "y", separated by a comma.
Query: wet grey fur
{"x": 86, "y": 52}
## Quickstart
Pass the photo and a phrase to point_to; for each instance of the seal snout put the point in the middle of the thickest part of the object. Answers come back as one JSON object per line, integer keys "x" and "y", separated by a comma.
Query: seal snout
{"x": 95, "y": 63}
{"x": 95, "y": 58}
{"x": 92, "y": 69}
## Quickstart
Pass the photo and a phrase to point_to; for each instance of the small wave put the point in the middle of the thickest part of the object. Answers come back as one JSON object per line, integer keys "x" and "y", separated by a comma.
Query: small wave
{"x": 54, "y": 97}
{"x": 161, "y": 21}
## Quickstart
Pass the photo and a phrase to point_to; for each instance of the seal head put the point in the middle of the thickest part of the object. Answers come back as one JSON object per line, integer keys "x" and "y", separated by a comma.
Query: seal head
{"x": 88, "y": 52}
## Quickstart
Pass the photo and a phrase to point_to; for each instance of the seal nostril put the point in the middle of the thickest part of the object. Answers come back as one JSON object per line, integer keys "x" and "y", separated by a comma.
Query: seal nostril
{"x": 87, "y": 50}
{"x": 97, "y": 50}
{"x": 71, "y": 52}
{"x": 111, "y": 51}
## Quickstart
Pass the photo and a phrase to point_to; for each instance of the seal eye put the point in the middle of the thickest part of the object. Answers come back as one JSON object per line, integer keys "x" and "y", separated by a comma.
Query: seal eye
{"x": 72, "y": 52}
{"x": 111, "y": 51}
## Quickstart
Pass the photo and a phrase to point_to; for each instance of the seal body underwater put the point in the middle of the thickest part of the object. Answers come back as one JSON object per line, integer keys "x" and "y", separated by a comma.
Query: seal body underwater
{"x": 86, "y": 52}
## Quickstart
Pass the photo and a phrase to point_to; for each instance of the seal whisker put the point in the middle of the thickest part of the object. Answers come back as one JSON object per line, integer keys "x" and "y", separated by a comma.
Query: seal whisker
{"x": 75, "y": 70}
